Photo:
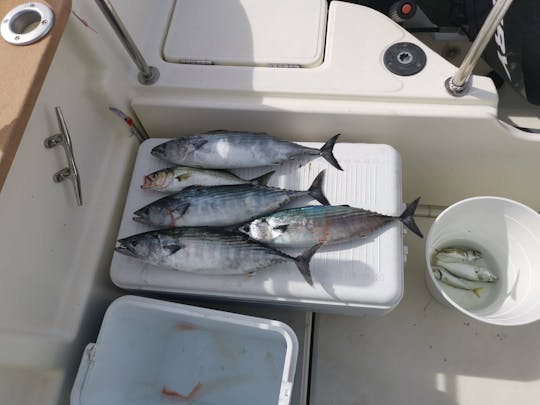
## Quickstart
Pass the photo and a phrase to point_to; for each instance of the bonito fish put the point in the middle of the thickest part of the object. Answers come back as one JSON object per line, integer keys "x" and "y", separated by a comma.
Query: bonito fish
{"x": 233, "y": 150}
{"x": 448, "y": 278}
{"x": 222, "y": 205}
{"x": 209, "y": 251}
{"x": 174, "y": 179}
{"x": 307, "y": 226}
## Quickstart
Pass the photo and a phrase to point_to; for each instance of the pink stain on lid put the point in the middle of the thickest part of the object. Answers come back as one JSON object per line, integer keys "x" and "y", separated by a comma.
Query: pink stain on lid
{"x": 185, "y": 326}
{"x": 177, "y": 396}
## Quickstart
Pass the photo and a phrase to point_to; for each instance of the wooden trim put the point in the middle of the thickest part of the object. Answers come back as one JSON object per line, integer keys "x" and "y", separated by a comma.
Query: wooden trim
{"x": 22, "y": 73}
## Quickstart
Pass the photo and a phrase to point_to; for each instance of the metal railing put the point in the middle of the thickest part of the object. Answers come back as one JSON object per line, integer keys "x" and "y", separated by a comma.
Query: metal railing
{"x": 147, "y": 74}
{"x": 459, "y": 84}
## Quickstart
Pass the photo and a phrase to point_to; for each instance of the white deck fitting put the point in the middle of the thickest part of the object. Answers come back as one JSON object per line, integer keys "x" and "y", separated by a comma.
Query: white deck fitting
{"x": 357, "y": 277}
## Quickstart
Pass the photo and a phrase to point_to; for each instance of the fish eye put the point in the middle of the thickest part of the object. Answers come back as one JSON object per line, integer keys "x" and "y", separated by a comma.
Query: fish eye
{"x": 134, "y": 243}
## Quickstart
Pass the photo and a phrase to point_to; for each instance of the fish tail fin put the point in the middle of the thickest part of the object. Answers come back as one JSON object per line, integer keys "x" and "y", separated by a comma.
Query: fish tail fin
{"x": 407, "y": 218}
{"x": 262, "y": 180}
{"x": 302, "y": 262}
{"x": 327, "y": 152}
{"x": 476, "y": 291}
{"x": 316, "y": 191}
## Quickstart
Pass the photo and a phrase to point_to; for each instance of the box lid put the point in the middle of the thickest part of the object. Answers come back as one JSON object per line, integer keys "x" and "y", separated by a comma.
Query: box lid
{"x": 149, "y": 351}
{"x": 365, "y": 275}
{"x": 247, "y": 32}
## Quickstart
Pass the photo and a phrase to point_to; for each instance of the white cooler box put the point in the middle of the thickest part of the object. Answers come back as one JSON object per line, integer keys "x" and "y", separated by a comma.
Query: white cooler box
{"x": 364, "y": 276}
{"x": 155, "y": 352}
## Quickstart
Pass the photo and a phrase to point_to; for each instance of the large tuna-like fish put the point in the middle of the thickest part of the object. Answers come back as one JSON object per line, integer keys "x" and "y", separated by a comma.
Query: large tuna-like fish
{"x": 209, "y": 251}
{"x": 222, "y": 205}
{"x": 234, "y": 150}
{"x": 307, "y": 226}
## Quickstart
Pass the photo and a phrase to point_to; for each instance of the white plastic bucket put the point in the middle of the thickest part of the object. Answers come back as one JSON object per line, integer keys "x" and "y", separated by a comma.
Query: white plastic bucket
{"x": 508, "y": 235}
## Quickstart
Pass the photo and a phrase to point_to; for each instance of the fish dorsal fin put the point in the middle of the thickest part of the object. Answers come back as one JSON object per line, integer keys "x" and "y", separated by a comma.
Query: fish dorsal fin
{"x": 173, "y": 248}
{"x": 216, "y": 131}
{"x": 368, "y": 212}
{"x": 230, "y": 231}
{"x": 219, "y": 131}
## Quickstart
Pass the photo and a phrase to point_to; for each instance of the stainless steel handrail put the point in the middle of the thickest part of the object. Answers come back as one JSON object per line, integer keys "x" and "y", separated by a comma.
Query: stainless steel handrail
{"x": 71, "y": 172}
{"x": 459, "y": 84}
{"x": 147, "y": 74}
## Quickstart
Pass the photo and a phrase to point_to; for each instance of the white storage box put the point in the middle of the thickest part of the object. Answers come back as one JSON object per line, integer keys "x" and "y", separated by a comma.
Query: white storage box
{"x": 362, "y": 276}
{"x": 154, "y": 352}
{"x": 247, "y": 32}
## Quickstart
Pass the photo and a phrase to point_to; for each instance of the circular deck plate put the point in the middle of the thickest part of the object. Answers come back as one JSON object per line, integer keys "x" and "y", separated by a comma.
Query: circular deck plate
{"x": 14, "y": 25}
{"x": 404, "y": 59}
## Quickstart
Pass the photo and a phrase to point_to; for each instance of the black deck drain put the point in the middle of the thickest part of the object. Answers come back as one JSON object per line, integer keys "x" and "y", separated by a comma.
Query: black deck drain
{"x": 404, "y": 59}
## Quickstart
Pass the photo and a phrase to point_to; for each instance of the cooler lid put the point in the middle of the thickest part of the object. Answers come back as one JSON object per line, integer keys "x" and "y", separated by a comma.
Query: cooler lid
{"x": 282, "y": 33}
{"x": 362, "y": 275}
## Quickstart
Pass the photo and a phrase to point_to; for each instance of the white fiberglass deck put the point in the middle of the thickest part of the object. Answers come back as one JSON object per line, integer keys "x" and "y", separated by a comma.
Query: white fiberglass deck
{"x": 423, "y": 353}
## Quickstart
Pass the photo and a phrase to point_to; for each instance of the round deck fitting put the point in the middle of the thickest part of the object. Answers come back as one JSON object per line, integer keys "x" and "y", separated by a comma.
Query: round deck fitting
{"x": 149, "y": 79}
{"x": 404, "y": 59}
{"x": 457, "y": 91}
{"x": 27, "y": 23}
{"x": 402, "y": 11}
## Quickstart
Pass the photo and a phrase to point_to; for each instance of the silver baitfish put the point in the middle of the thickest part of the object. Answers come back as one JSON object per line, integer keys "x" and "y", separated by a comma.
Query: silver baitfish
{"x": 222, "y": 205}
{"x": 233, "y": 150}
{"x": 448, "y": 278}
{"x": 456, "y": 254}
{"x": 209, "y": 251}
{"x": 306, "y": 226}
{"x": 174, "y": 179}
{"x": 469, "y": 271}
